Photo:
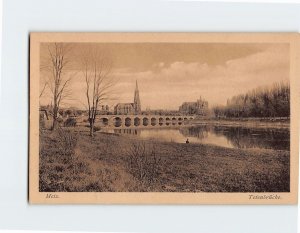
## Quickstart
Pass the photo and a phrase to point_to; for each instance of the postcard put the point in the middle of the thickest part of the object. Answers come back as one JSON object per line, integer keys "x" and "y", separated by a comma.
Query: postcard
{"x": 164, "y": 118}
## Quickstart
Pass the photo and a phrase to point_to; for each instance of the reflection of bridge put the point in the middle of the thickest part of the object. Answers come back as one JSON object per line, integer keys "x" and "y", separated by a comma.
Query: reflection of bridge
{"x": 140, "y": 120}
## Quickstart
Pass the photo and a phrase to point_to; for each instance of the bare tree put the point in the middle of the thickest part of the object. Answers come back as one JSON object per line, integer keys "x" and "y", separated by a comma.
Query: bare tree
{"x": 269, "y": 101}
{"x": 56, "y": 65}
{"x": 99, "y": 83}
{"x": 43, "y": 89}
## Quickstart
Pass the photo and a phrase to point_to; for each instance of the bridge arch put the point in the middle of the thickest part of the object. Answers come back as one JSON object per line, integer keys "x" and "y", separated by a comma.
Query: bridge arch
{"x": 153, "y": 121}
{"x": 137, "y": 121}
{"x": 127, "y": 121}
{"x": 145, "y": 121}
{"x": 117, "y": 121}
{"x": 104, "y": 121}
{"x": 160, "y": 121}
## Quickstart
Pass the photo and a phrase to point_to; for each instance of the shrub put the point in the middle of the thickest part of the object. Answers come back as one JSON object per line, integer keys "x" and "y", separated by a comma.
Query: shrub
{"x": 70, "y": 122}
{"x": 66, "y": 141}
{"x": 60, "y": 120}
{"x": 143, "y": 162}
{"x": 42, "y": 123}
{"x": 97, "y": 128}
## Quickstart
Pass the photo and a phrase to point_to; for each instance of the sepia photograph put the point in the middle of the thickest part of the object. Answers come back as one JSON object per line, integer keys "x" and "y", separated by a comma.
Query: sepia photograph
{"x": 162, "y": 118}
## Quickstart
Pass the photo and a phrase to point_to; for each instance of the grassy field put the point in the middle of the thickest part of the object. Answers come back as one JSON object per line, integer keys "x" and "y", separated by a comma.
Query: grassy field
{"x": 74, "y": 162}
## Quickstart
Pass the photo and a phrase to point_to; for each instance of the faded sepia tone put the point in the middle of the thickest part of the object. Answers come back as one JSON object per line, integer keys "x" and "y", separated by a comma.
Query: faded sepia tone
{"x": 163, "y": 117}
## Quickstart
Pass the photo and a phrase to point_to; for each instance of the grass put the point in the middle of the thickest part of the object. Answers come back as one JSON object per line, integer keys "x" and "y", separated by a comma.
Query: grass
{"x": 74, "y": 162}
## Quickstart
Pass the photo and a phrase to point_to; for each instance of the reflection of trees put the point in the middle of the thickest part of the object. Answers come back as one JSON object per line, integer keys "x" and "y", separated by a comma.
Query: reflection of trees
{"x": 249, "y": 138}
{"x": 199, "y": 131}
{"x": 243, "y": 137}
{"x": 237, "y": 136}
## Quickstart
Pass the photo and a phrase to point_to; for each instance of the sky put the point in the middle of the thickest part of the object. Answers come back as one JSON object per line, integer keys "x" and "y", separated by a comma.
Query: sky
{"x": 169, "y": 74}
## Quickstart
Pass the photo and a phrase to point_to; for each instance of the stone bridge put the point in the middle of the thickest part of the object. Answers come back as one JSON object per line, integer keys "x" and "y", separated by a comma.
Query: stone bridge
{"x": 141, "y": 120}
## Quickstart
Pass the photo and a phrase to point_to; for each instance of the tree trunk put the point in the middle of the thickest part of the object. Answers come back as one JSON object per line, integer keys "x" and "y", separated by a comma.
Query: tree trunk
{"x": 55, "y": 122}
{"x": 92, "y": 128}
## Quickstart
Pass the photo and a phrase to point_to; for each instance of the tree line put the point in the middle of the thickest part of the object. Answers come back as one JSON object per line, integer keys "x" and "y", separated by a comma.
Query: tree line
{"x": 272, "y": 101}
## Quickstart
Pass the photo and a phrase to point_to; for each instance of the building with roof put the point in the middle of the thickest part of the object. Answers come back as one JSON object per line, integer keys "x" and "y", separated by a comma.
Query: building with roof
{"x": 199, "y": 107}
{"x": 130, "y": 108}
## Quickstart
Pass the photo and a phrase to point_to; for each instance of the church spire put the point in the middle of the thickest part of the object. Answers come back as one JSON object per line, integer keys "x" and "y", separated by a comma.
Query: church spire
{"x": 137, "y": 102}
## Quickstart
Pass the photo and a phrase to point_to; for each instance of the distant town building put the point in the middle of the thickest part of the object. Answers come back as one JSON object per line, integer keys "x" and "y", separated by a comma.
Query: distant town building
{"x": 161, "y": 112}
{"x": 124, "y": 109}
{"x": 103, "y": 110}
{"x": 130, "y": 108}
{"x": 200, "y": 107}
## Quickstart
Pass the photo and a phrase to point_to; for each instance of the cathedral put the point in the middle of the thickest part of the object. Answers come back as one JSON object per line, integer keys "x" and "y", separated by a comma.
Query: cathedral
{"x": 199, "y": 107}
{"x": 130, "y": 108}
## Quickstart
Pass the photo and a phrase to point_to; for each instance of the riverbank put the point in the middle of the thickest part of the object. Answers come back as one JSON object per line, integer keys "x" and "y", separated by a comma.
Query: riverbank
{"x": 72, "y": 161}
{"x": 275, "y": 123}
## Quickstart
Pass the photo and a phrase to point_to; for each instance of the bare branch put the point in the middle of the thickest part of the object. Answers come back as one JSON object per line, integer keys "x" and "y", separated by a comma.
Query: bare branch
{"x": 55, "y": 66}
{"x": 96, "y": 69}
{"x": 43, "y": 89}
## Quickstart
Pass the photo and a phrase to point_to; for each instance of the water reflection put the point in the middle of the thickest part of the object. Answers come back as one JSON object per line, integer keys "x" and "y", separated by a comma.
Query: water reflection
{"x": 230, "y": 137}
{"x": 125, "y": 131}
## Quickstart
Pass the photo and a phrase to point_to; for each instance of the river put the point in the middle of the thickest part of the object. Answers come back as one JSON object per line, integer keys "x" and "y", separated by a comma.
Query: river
{"x": 225, "y": 136}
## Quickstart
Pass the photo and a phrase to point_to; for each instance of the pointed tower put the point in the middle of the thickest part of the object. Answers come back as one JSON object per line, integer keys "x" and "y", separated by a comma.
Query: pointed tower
{"x": 137, "y": 102}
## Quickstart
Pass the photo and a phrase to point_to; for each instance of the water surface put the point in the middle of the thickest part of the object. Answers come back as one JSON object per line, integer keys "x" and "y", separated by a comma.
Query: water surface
{"x": 225, "y": 136}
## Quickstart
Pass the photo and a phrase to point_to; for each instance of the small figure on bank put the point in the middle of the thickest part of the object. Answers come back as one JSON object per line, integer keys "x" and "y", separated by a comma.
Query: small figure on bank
{"x": 187, "y": 141}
